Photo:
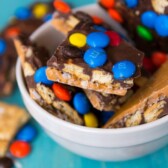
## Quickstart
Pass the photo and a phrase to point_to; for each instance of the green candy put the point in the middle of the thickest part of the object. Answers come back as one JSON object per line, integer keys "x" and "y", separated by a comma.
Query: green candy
{"x": 144, "y": 33}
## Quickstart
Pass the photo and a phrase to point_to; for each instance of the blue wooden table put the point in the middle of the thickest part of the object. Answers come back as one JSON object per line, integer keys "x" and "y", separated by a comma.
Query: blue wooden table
{"x": 45, "y": 152}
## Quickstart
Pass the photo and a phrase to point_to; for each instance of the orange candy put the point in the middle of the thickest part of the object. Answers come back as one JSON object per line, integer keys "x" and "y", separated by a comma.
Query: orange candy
{"x": 115, "y": 15}
{"x": 20, "y": 149}
{"x": 12, "y": 32}
{"x": 107, "y": 3}
{"x": 61, "y": 92}
{"x": 158, "y": 58}
{"x": 62, "y": 6}
{"x": 97, "y": 20}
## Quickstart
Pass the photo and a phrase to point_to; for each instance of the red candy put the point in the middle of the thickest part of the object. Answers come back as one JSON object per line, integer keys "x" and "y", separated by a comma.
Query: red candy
{"x": 115, "y": 15}
{"x": 61, "y": 6}
{"x": 20, "y": 149}
{"x": 12, "y": 32}
{"x": 158, "y": 58}
{"x": 97, "y": 20}
{"x": 61, "y": 92}
{"x": 107, "y": 3}
{"x": 115, "y": 38}
{"x": 148, "y": 65}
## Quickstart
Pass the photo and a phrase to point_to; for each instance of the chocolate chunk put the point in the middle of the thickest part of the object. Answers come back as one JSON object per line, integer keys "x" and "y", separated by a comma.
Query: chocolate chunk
{"x": 83, "y": 16}
{"x": 6, "y": 162}
{"x": 71, "y": 52}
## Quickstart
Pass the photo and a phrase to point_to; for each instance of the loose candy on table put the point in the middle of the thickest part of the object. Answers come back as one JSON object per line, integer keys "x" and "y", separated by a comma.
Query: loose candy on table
{"x": 161, "y": 25}
{"x": 90, "y": 120}
{"x": 97, "y": 39}
{"x": 61, "y": 6}
{"x": 131, "y": 3}
{"x": 107, "y": 3}
{"x": 148, "y": 19}
{"x": 27, "y": 133}
{"x": 115, "y": 38}
{"x": 158, "y": 58}
{"x": 144, "y": 33}
{"x": 95, "y": 57}
{"x": 20, "y": 149}
{"x": 40, "y": 76}
{"x": 123, "y": 70}
{"x": 2, "y": 46}
{"x": 6, "y": 162}
{"x": 114, "y": 14}
{"x": 40, "y": 10}
{"x": 23, "y": 13}
{"x": 61, "y": 92}
{"x": 81, "y": 103}
{"x": 77, "y": 39}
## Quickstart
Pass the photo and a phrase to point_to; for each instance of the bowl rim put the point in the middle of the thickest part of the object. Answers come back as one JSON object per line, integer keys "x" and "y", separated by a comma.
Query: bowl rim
{"x": 53, "y": 118}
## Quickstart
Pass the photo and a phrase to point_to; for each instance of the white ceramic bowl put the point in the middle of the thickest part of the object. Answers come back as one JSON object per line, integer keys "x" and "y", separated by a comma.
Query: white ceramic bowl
{"x": 95, "y": 143}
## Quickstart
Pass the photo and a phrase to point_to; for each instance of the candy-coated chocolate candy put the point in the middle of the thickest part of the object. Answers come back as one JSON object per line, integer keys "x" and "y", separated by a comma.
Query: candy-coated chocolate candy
{"x": 20, "y": 149}
{"x": 90, "y": 120}
{"x": 100, "y": 28}
{"x": 98, "y": 39}
{"x": 72, "y": 52}
{"x": 23, "y": 13}
{"x": 161, "y": 25}
{"x": 2, "y": 46}
{"x": 97, "y": 20}
{"x": 131, "y": 3}
{"x": 105, "y": 116}
{"x": 95, "y": 57}
{"x": 81, "y": 103}
{"x": 77, "y": 39}
{"x": 107, "y": 3}
{"x": 115, "y": 15}
{"x": 61, "y": 92}
{"x": 62, "y": 6}
{"x": 47, "y": 17}
{"x": 40, "y": 10}
{"x": 148, "y": 19}
{"x": 158, "y": 58}
{"x": 148, "y": 64}
{"x": 144, "y": 33}
{"x": 6, "y": 162}
{"x": 27, "y": 133}
{"x": 123, "y": 69}
{"x": 12, "y": 32}
{"x": 115, "y": 38}
{"x": 40, "y": 76}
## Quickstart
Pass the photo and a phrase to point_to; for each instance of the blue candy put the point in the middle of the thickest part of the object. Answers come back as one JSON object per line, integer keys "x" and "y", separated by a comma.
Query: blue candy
{"x": 161, "y": 25}
{"x": 81, "y": 103}
{"x": 2, "y": 46}
{"x": 40, "y": 76}
{"x": 47, "y": 17}
{"x": 100, "y": 28}
{"x": 105, "y": 116}
{"x": 27, "y": 133}
{"x": 23, "y": 13}
{"x": 148, "y": 19}
{"x": 97, "y": 39}
{"x": 123, "y": 69}
{"x": 95, "y": 57}
{"x": 131, "y": 3}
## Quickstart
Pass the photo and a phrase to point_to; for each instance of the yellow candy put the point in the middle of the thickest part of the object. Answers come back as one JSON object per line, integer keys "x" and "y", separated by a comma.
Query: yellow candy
{"x": 90, "y": 120}
{"x": 78, "y": 39}
{"x": 40, "y": 10}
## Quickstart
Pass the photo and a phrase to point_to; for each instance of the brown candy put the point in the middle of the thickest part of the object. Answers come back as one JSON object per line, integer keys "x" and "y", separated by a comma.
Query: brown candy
{"x": 6, "y": 162}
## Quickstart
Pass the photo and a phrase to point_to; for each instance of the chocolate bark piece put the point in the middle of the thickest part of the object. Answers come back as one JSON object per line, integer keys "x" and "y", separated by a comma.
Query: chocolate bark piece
{"x": 72, "y": 70}
{"x": 32, "y": 58}
{"x": 132, "y": 19}
{"x": 11, "y": 119}
{"x": 148, "y": 104}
